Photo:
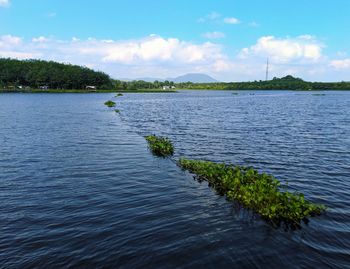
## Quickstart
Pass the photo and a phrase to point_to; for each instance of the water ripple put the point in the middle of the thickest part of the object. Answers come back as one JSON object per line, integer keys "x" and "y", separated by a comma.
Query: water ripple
{"x": 79, "y": 189}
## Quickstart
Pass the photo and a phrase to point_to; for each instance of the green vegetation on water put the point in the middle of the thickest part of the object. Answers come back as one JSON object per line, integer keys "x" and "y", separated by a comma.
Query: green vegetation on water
{"x": 262, "y": 193}
{"x": 160, "y": 146}
{"x": 110, "y": 103}
{"x": 118, "y": 94}
{"x": 258, "y": 192}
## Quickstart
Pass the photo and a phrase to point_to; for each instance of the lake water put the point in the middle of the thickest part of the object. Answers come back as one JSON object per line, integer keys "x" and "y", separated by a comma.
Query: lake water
{"x": 79, "y": 188}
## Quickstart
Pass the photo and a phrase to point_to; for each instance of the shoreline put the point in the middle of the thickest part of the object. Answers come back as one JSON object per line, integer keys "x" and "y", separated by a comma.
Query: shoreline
{"x": 85, "y": 91}
{"x": 162, "y": 91}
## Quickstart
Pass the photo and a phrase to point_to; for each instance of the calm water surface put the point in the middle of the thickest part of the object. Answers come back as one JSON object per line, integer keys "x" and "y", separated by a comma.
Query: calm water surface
{"x": 79, "y": 188}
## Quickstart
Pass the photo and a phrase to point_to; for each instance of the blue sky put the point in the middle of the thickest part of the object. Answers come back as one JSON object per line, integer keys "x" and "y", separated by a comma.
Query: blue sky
{"x": 228, "y": 39}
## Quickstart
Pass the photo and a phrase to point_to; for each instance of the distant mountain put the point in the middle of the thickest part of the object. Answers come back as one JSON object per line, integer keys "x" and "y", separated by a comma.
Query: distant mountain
{"x": 195, "y": 78}
{"x": 191, "y": 77}
{"x": 149, "y": 79}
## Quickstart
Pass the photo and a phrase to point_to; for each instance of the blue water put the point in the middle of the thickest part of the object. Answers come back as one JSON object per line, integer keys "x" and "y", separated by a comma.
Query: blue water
{"x": 79, "y": 188}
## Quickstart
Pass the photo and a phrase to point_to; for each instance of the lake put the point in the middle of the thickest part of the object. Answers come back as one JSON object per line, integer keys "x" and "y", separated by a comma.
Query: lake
{"x": 79, "y": 187}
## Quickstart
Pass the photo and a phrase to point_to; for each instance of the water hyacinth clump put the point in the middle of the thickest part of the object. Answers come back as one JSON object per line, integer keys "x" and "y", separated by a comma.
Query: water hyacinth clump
{"x": 116, "y": 110}
{"x": 258, "y": 192}
{"x": 119, "y": 94}
{"x": 160, "y": 146}
{"x": 110, "y": 103}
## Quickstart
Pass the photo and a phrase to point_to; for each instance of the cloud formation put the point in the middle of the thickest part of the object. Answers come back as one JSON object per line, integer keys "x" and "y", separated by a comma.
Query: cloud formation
{"x": 4, "y": 3}
{"x": 152, "y": 55}
{"x": 218, "y": 18}
{"x": 284, "y": 50}
{"x": 232, "y": 20}
{"x": 168, "y": 57}
{"x": 341, "y": 64}
{"x": 210, "y": 17}
{"x": 214, "y": 35}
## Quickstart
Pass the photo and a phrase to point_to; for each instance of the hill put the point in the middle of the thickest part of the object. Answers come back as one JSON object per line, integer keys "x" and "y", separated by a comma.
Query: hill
{"x": 52, "y": 75}
{"x": 191, "y": 77}
{"x": 194, "y": 78}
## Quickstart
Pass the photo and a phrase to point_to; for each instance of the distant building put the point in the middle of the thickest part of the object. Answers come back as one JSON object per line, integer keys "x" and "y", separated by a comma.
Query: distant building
{"x": 90, "y": 87}
{"x": 45, "y": 87}
{"x": 166, "y": 87}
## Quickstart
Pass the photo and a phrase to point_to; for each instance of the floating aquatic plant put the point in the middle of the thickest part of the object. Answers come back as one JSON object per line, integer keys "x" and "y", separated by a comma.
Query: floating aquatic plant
{"x": 160, "y": 146}
{"x": 319, "y": 94}
{"x": 116, "y": 110}
{"x": 110, "y": 103}
{"x": 119, "y": 94}
{"x": 261, "y": 193}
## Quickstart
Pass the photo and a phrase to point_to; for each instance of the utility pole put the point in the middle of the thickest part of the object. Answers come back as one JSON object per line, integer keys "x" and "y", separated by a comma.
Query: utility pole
{"x": 267, "y": 69}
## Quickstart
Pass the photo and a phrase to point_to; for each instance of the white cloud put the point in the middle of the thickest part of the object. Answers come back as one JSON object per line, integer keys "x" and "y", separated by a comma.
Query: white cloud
{"x": 218, "y": 18}
{"x": 156, "y": 56}
{"x": 306, "y": 37}
{"x": 4, "y": 3}
{"x": 40, "y": 39}
{"x": 12, "y": 47}
{"x": 149, "y": 56}
{"x": 149, "y": 49}
{"x": 51, "y": 14}
{"x": 210, "y": 17}
{"x": 213, "y": 15}
{"x": 340, "y": 64}
{"x": 253, "y": 24}
{"x": 284, "y": 50}
{"x": 214, "y": 35}
{"x": 10, "y": 40}
{"x": 232, "y": 20}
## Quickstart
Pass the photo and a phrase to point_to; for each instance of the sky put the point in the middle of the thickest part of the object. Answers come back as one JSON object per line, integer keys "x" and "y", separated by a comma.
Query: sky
{"x": 227, "y": 39}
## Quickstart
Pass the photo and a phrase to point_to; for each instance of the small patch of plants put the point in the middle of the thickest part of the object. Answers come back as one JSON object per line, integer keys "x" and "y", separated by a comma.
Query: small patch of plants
{"x": 119, "y": 94}
{"x": 110, "y": 103}
{"x": 319, "y": 94}
{"x": 116, "y": 110}
{"x": 261, "y": 193}
{"x": 160, "y": 146}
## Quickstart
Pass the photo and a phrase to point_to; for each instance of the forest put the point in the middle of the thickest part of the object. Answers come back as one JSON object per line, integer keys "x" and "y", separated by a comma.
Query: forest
{"x": 286, "y": 83}
{"x": 38, "y": 74}
{"x": 48, "y": 74}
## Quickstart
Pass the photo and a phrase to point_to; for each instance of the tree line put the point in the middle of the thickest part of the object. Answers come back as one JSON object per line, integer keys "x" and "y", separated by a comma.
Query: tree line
{"x": 140, "y": 84}
{"x": 52, "y": 75}
{"x": 285, "y": 83}
{"x": 16, "y": 74}
{"x": 22, "y": 74}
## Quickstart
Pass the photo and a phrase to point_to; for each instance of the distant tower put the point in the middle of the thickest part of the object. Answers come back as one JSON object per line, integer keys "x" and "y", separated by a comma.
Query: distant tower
{"x": 267, "y": 70}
